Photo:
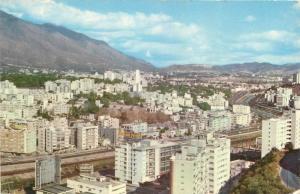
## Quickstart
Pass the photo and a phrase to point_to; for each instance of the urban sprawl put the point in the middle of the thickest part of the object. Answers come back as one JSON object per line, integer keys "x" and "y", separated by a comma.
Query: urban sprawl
{"x": 139, "y": 132}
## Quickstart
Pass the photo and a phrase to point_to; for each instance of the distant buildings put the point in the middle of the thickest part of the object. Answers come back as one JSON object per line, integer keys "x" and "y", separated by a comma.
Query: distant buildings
{"x": 143, "y": 161}
{"x": 106, "y": 121}
{"x": 169, "y": 103}
{"x": 241, "y": 115}
{"x": 217, "y": 101}
{"x": 280, "y": 97}
{"x": 296, "y": 78}
{"x": 203, "y": 166}
{"x": 136, "y": 127}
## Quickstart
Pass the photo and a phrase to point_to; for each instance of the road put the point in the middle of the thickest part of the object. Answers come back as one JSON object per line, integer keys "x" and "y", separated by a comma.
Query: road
{"x": 289, "y": 179}
{"x": 19, "y": 168}
{"x": 29, "y": 159}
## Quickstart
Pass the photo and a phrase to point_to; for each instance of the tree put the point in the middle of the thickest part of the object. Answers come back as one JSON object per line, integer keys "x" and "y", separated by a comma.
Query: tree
{"x": 204, "y": 106}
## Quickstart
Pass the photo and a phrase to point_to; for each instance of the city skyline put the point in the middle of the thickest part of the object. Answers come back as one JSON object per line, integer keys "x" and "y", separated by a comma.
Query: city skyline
{"x": 157, "y": 32}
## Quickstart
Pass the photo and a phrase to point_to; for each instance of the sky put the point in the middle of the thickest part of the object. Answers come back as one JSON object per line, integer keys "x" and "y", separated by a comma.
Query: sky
{"x": 166, "y": 32}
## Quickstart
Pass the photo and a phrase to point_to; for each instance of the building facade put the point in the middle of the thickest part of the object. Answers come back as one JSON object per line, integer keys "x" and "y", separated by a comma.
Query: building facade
{"x": 202, "y": 167}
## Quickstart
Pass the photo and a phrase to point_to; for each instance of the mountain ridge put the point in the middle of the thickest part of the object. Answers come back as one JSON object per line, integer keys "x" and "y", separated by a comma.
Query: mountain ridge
{"x": 248, "y": 67}
{"x": 26, "y": 44}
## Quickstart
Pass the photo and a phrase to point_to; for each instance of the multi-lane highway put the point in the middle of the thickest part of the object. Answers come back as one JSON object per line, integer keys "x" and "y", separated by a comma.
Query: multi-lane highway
{"x": 28, "y": 165}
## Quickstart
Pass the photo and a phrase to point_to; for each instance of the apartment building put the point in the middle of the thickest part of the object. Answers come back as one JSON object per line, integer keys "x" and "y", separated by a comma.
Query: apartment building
{"x": 219, "y": 121}
{"x": 18, "y": 138}
{"x": 87, "y": 136}
{"x": 106, "y": 121}
{"x": 143, "y": 161}
{"x": 202, "y": 167}
{"x": 136, "y": 127}
{"x": 277, "y": 132}
{"x": 55, "y": 136}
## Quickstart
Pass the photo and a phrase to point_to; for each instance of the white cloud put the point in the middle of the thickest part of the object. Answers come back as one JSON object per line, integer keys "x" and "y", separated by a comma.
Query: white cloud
{"x": 273, "y": 35}
{"x": 254, "y": 45}
{"x": 61, "y": 14}
{"x": 148, "y": 54}
{"x": 268, "y": 40}
{"x": 250, "y": 18}
{"x": 279, "y": 59}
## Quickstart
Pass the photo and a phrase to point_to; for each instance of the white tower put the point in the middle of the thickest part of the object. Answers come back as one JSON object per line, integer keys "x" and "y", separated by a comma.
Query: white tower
{"x": 296, "y": 123}
{"x": 137, "y": 87}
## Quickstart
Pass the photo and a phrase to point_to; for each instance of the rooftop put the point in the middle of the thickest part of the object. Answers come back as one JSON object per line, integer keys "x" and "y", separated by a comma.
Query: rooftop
{"x": 55, "y": 189}
{"x": 101, "y": 181}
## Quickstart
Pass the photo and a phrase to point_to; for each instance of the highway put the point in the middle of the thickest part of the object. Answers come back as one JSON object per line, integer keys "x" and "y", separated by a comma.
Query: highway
{"x": 28, "y": 166}
{"x": 29, "y": 159}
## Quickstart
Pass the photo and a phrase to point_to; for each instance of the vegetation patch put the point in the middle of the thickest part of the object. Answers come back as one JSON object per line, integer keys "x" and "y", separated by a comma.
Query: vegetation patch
{"x": 263, "y": 177}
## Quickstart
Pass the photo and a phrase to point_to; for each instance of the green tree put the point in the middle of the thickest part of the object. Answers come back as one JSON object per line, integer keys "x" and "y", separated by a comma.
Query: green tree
{"x": 204, "y": 106}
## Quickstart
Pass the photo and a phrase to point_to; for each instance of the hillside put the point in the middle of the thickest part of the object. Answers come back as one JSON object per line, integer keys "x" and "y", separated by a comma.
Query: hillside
{"x": 249, "y": 68}
{"x": 25, "y": 44}
{"x": 263, "y": 177}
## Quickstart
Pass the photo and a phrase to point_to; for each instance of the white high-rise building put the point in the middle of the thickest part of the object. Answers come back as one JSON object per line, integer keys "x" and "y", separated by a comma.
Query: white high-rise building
{"x": 241, "y": 115}
{"x": 137, "y": 86}
{"x": 275, "y": 134}
{"x": 143, "y": 161}
{"x": 296, "y": 78}
{"x": 57, "y": 135}
{"x": 295, "y": 139}
{"x": 87, "y": 137}
{"x": 202, "y": 167}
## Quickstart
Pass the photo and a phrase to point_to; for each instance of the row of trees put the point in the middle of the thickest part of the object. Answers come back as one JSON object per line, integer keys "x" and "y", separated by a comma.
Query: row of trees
{"x": 123, "y": 97}
{"x": 90, "y": 106}
{"x": 28, "y": 80}
{"x": 38, "y": 80}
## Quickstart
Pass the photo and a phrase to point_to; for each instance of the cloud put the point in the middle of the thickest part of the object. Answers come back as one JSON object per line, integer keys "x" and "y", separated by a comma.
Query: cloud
{"x": 279, "y": 59}
{"x": 61, "y": 14}
{"x": 148, "y": 54}
{"x": 250, "y": 18}
{"x": 269, "y": 40}
{"x": 254, "y": 45}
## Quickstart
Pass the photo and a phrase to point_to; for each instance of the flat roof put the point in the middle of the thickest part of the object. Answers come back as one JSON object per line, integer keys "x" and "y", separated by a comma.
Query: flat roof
{"x": 104, "y": 183}
{"x": 56, "y": 189}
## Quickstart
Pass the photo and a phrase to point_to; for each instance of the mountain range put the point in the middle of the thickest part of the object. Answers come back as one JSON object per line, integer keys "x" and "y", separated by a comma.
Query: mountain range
{"x": 247, "y": 68}
{"x": 25, "y": 44}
